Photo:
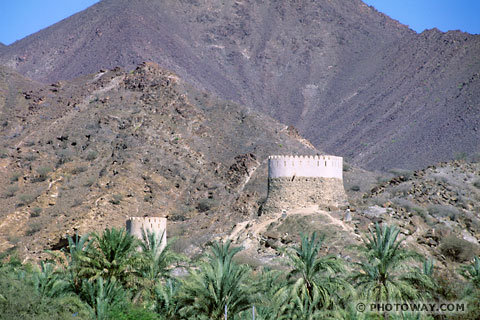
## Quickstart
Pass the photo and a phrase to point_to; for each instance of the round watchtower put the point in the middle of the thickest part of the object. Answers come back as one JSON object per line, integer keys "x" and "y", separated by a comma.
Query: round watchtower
{"x": 304, "y": 181}
{"x": 138, "y": 225}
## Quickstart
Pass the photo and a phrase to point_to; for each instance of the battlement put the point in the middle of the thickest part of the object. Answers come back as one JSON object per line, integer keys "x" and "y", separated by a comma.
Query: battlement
{"x": 135, "y": 226}
{"x": 323, "y": 166}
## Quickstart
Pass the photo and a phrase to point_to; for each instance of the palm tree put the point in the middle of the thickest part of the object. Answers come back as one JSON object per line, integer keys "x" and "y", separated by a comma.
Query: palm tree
{"x": 424, "y": 280}
{"x": 271, "y": 295}
{"x": 472, "y": 272}
{"x": 219, "y": 285}
{"x": 156, "y": 263}
{"x": 166, "y": 302}
{"x": 102, "y": 296}
{"x": 48, "y": 282}
{"x": 314, "y": 284}
{"x": 112, "y": 255}
{"x": 72, "y": 261}
{"x": 471, "y": 295}
{"x": 386, "y": 273}
{"x": 28, "y": 292}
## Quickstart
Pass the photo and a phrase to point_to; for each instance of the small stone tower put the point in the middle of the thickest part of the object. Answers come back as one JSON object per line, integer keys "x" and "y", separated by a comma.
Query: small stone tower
{"x": 135, "y": 225}
{"x": 304, "y": 181}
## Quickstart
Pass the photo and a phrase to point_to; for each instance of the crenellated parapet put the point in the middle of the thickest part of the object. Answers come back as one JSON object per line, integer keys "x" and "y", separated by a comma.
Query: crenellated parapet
{"x": 324, "y": 166}
{"x": 138, "y": 225}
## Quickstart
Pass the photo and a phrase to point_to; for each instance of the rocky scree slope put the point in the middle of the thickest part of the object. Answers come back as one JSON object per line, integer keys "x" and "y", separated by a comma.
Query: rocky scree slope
{"x": 436, "y": 208}
{"x": 84, "y": 155}
{"x": 353, "y": 81}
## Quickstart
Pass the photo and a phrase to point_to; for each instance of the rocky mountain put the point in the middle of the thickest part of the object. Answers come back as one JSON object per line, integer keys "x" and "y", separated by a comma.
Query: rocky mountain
{"x": 353, "y": 81}
{"x": 436, "y": 209}
{"x": 84, "y": 155}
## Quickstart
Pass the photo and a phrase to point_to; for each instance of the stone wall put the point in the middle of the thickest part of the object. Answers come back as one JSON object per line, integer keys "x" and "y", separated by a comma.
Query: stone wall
{"x": 298, "y": 192}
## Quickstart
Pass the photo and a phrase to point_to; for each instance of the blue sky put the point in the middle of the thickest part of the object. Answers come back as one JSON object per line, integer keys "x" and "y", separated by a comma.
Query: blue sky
{"x": 426, "y": 14}
{"x": 19, "y": 18}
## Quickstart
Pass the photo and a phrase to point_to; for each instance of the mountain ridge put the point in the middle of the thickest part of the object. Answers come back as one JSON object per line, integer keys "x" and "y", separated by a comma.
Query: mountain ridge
{"x": 348, "y": 77}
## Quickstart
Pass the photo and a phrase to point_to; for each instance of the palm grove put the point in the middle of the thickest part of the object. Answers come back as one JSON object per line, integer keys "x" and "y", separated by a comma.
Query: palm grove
{"x": 113, "y": 275}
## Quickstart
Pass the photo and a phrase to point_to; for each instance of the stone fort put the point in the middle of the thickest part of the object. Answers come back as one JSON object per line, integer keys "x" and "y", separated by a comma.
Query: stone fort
{"x": 135, "y": 225}
{"x": 304, "y": 181}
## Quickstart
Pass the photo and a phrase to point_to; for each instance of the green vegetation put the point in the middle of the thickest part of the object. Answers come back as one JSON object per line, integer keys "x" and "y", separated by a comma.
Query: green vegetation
{"x": 205, "y": 205}
{"x": 15, "y": 176}
{"x": 218, "y": 285}
{"x": 33, "y": 228}
{"x": 35, "y": 212}
{"x": 42, "y": 173}
{"x": 79, "y": 169}
{"x": 355, "y": 188}
{"x": 385, "y": 274}
{"x": 92, "y": 155}
{"x": 11, "y": 190}
{"x": 116, "y": 198}
{"x": 457, "y": 249}
{"x": 113, "y": 275}
{"x": 25, "y": 199}
{"x": 476, "y": 183}
{"x": 401, "y": 172}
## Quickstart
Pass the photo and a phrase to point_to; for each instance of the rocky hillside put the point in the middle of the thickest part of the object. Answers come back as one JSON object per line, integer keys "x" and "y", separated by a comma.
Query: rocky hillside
{"x": 353, "y": 81}
{"x": 83, "y": 155}
{"x": 437, "y": 210}
{"x": 437, "y": 207}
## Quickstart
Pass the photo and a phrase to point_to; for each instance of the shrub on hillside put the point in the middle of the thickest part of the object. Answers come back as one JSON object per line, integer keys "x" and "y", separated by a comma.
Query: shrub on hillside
{"x": 355, "y": 188}
{"x": 205, "y": 205}
{"x": 79, "y": 169}
{"x": 457, "y": 249}
{"x": 25, "y": 199}
{"x": 33, "y": 228}
{"x": 15, "y": 176}
{"x": 401, "y": 172}
{"x": 438, "y": 210}
{"x": 42, "y": 173}
{"x": 476, "y": 183}
{"x": 11, "y": 190}
{"x": 35, "y": 212}
{"x": 116, "y": 198}
{"x": 92, "y": 155}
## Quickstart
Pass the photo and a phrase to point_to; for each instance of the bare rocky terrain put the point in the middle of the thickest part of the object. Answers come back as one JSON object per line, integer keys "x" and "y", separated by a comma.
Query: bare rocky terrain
{"x": 97, "y": 137}
{"x": 353, "y": 81}
{"x": 436, "y": 209}
{"x": 84, "y": 155}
